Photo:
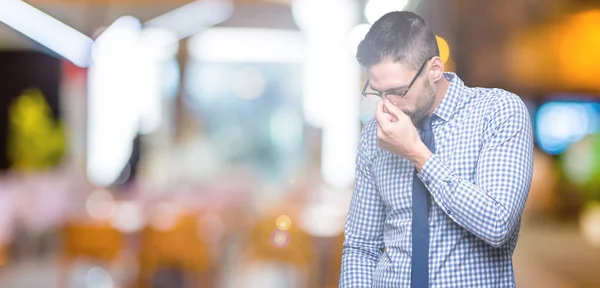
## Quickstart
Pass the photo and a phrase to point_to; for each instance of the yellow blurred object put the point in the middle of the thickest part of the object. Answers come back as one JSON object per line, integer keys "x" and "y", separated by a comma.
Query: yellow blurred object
{"x": 97, "y": 241}
{"x": 291, "y": 248}
{"x": 577, "y": 50}
{"x": 589, "y": 224}
{"x": 2, "y": 255}
{"x": 444, "y": 48}
{"x": 36, "y": 140}
{"x": 562, "y": 55}
{"x": 180, "y": 246}
{"x": 283, "y": 222}
{"x": 529, "y": 57}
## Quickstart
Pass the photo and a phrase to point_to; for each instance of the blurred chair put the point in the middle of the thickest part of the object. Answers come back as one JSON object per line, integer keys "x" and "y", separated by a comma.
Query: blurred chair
{"x": 96, "y": 241}
{"x": 177, "y": 248}
{"x": 286, "y": 256}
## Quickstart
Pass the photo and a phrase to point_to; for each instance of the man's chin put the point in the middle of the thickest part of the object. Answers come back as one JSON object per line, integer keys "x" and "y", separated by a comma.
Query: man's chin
{"x": 409, "y": 114}
{"x": 416, "y": 120}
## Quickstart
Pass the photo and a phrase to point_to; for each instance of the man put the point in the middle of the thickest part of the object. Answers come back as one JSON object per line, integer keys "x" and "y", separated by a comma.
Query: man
{"x": 443, "y": 170}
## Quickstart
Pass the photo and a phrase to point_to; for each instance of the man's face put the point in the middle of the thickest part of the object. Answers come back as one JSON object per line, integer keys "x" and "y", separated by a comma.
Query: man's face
{"x": 387, "y": 77}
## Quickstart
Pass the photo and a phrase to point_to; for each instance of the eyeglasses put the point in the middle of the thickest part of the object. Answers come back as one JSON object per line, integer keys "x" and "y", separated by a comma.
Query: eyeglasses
{"x": 376, "y": 96}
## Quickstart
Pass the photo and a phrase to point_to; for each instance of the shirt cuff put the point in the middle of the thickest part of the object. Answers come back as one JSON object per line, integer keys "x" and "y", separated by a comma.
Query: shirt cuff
{"x": 440, "y": 180}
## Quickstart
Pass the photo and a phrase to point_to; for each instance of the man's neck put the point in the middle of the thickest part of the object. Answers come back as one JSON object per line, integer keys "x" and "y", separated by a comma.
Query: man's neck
{"x": 441, "y": 90}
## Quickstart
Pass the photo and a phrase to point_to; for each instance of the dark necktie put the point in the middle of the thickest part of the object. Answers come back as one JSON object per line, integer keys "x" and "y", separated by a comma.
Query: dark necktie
{"x": 420, "y": 222}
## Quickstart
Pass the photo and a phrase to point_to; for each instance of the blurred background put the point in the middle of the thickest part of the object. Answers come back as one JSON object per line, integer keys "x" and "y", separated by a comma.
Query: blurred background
{"x": 177, "y": 143}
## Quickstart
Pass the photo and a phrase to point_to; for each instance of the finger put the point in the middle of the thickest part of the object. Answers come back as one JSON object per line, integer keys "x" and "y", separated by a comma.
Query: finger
{"x": 393, "y": 109}
{"x": 381, "y": 117}
{"x": 388, "y": 115}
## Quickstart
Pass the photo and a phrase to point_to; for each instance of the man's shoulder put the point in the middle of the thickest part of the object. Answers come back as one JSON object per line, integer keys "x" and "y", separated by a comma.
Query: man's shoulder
{"x": 494, "y": 100}
{"x": 495, "y": 106}
{"x": 368, "y": 137}
{"x": 370, "y": 128}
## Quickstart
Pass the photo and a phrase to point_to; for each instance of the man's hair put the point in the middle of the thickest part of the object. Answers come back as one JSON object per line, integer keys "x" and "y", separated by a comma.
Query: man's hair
{"x": 402, "y": 37}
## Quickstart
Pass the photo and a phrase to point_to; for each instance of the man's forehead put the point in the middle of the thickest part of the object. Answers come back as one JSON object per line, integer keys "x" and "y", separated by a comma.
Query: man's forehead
{"x": 388, "y": 75}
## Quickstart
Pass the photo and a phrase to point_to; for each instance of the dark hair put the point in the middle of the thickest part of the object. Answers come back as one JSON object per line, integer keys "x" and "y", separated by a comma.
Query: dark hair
{"x": 403, "y": 37}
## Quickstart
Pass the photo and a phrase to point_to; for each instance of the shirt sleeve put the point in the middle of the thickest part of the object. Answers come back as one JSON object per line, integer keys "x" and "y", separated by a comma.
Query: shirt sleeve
{"x": 491, "y": 207}
{"x": 363, "y": 242}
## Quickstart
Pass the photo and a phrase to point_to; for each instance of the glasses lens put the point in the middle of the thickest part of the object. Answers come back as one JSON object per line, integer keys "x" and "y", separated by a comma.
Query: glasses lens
{"x": 373, "y": 98}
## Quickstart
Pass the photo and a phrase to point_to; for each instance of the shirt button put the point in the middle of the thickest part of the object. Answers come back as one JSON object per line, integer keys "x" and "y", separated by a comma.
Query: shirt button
{"x": 426, "y": 182}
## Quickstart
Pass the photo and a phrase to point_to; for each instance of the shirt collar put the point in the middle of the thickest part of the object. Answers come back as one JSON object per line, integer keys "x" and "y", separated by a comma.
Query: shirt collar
{"x": 448, "y": 105}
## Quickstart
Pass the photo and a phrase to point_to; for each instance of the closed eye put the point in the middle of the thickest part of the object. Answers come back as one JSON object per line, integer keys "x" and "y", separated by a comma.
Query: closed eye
{"x": 398, "y": 92}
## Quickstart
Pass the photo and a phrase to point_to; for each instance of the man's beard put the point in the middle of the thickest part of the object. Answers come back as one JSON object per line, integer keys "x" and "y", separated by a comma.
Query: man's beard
{"x": 423, "y": 105}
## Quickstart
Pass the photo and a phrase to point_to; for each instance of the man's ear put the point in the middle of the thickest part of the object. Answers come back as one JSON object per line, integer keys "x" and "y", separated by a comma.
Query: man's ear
{"x": 436, "y": 69}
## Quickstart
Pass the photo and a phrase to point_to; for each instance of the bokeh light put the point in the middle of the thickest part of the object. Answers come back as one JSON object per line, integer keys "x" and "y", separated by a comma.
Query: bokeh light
{"x": 98, "y": 278}
{"x": 581, "y": 166}
{"x": 283, "y": 222}
{"x": 127, "y": 217}
{"x": 577, "y": 50}
{"x": 590, "y": 224}
{"x": 559, "y": 124}
{"x": 100, "y": 204}
{"x": 164, "y": 216}
{"x": 249, "y": 83}
{"x": 280, "y": 239}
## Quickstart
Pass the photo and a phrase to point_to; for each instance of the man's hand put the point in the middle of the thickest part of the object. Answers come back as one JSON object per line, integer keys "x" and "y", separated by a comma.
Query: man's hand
{"x": 396, "y": 133}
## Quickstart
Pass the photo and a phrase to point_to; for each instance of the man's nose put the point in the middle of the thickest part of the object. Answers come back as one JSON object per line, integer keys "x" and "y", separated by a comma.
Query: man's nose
{"x": 392, "y": 99}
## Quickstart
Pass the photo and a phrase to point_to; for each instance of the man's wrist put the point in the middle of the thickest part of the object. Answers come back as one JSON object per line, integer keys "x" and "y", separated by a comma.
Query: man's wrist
{"x": 420, "y": 156}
